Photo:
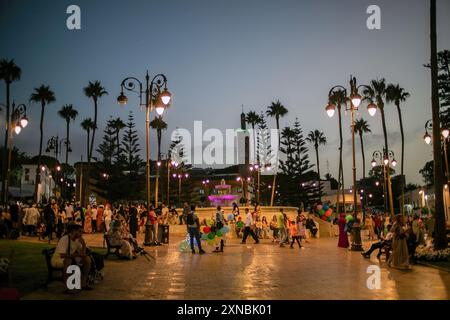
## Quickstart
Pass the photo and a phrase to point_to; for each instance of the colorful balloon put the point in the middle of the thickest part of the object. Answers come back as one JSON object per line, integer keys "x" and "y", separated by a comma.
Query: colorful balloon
{"x": 319, "y": 207}
{"x": 321, "y": 212}
{"x": 325, "y": 206}
{"x": 206, "y": 229}
{"x": 211, "y": 236}
{"x": 225, "y": 230}
{"x": 328, "y": 213}
{"x": 230, "y": 217}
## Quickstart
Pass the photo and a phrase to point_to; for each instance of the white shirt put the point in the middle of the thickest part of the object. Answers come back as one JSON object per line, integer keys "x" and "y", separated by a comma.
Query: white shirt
{"x": 248, "y": 219}
{"x": 31, "y": 216}
{"x": 94, "y": 214}
{"x": 63, "y": 246}
{"x": 69, "y": 211}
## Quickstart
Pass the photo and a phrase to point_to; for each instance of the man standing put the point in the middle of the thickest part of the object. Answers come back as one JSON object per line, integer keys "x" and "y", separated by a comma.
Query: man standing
{"x": 185, "y": 213}
{"x": 69, "y": 212}
{"x": 133, "y": 221}
{"x": 193, "y": 226}
{"x": 31, "y": 219}
{"x": 249, "y": 225}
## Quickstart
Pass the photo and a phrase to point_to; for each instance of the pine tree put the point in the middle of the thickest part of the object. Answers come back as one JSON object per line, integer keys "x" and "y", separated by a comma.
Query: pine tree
{"x": 108, "y": 146}
{"x": 296, "y": 168}
{"x": 130, "y": 147}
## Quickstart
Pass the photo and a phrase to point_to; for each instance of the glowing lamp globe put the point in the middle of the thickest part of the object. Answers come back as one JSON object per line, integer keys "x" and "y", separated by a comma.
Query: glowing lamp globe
{"x": 166, "y": 97}
{"x": 330, "y": 109}
{"x": 24, "y": 121}
{"x": 445, "y": 133}
{"x": 427, "y": 138}
{"x": 372, "y": 109}
{"x": 17, "y": 128}
{"x": 373, "y": 163}
{"x": 356, "y": 100}
{"x": 394, "y": 163}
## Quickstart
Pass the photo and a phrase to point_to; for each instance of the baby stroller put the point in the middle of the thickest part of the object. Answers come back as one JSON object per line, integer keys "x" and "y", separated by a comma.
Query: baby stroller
{"x": 96, "y": 274}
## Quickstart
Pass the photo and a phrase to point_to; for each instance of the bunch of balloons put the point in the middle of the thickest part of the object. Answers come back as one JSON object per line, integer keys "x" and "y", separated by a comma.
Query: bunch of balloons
{"x": 325, "y": 212}
{"x": 348, "y": 218}
{"x": 214, "y": 237}
{"x": 211, "y": 237}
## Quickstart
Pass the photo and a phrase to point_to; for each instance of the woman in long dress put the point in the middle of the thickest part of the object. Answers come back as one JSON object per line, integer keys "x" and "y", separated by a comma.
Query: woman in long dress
{"x": 88, "y": 220}
{"x": 399, "y": 258}
{"x": 100, "y": 219}
{"x": 343, "y": 238}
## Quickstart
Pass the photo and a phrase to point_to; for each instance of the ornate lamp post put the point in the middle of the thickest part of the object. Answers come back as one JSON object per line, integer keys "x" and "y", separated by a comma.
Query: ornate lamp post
{"x": 18, "y": 121}
{"x": 354, "y": 99}
{"x": 152, "y": 95}
{"x": 386, "y": 158}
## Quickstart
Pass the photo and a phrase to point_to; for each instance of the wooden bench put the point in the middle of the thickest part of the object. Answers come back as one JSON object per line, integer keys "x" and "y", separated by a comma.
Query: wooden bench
{"x": 48, "y": 254}
{"x": 110, "y": 247}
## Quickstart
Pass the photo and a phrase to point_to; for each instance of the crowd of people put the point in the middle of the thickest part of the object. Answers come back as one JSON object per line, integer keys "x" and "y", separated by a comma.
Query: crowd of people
{"x": 398, "y": 239}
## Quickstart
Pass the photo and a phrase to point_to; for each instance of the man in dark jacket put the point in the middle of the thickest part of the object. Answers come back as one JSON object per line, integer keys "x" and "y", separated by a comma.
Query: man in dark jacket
{"x": 133, "y": 220}
{"x": 49, "y": 221}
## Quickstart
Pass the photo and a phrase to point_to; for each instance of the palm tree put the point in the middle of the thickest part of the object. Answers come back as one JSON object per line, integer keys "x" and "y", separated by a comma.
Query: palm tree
{"x": 68, "y": 113}
{"x": 317, "y": 138}
{"x": 87, "y": 125}
{"x": 159, "y": 125}
{"x": 377, "y": 92}
{"x": 95, "y": 91}
{"x": 361, "y": 127}
{"x": 440, "y": 240}
{"x": 253, "y": 119}
{"x": 339, "y": 98}
{"x": 117, "y": 124}
{"x": 44, "y": 95}
{"x": 9, "y": 72}
{"x": 277, "y": 111}
{"x": 397, "y": 94}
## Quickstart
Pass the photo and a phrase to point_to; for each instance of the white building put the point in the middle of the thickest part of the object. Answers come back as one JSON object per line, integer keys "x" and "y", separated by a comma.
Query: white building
{"x": 28, "y": 182}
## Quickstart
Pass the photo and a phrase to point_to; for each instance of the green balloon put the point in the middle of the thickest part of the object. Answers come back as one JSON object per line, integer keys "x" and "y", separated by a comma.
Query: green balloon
{"x": 219, "y": 233}
{"x": 211, "y": 236}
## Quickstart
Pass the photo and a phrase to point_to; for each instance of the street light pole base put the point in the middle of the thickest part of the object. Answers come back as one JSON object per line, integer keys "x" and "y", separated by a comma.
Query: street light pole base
{"x": 356, "y": 243}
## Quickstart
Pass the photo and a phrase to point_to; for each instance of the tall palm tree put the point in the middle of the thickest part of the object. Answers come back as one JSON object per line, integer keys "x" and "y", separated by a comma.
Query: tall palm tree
{"x": 339, "y": 98}
{"x": 276, "y": 110}
{"x": 87, "y": 125}
{"x": 117, "y": 124}
{"x": 68, "y": 113}
{"x": 397, "y": 94}
{"x": 94, "y": 90}
{"x": 440, "y": 240}
{"x": 361, "y": 127}
{"x": 253, "y": 119}
{"x": 9, "y": 72}
{"x": 45, "y": 96}
{"x": 317, "y": 138}
{"x": 159, "y": 125}
{"x": 377, "y": 92}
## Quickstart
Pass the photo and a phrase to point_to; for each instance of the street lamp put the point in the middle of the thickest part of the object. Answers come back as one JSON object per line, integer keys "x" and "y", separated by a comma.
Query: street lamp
{"x": 17, "y": 121}
{"x": 355, "y": 100}
{"x": 444, "y": 135}
{"x": 384, "y": 157}
{"x": 153, "y": 96}
{"x": 180, "y": 177}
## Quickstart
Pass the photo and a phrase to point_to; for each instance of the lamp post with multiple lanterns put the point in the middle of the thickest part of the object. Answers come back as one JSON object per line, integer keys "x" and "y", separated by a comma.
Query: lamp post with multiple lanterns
{"x": 18, "y": 121}
{"x": 152, "y": 95}
{"x": 258, "y": 169}
{"x": 385, "y": 158}
{"x": 354, "y": 99}
{"x": 444, "y": 134}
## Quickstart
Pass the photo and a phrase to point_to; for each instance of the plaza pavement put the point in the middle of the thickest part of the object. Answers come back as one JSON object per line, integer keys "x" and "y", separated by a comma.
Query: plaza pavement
{"x": 265, "y": 271}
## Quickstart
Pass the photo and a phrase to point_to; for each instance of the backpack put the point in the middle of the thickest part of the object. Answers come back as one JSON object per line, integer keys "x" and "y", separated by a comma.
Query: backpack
{"x": 190, "y": 219}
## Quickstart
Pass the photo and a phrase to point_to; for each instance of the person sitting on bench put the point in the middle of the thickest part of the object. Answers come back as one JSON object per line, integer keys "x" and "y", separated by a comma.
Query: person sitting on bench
{"x": 383, "y": 243}
{"x": 118, "y": 237}
{"x": 71, "y": 250}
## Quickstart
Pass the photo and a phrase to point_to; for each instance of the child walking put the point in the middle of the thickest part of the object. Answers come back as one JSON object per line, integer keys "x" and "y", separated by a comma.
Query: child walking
{"x": 294, "y": 231}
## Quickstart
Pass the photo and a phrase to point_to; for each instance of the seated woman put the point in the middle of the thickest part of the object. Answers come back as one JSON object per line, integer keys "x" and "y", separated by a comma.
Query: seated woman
{"x": 117, "y": 237}
{"x": 70, "y": 250}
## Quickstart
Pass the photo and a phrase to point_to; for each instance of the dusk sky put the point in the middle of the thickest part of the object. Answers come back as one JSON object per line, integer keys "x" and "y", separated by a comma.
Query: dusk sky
{"x": 219, "y": 55}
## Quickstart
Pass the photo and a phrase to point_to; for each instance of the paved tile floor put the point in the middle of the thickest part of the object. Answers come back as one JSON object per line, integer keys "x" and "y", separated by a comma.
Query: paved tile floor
{"x": 263, "y": 271}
